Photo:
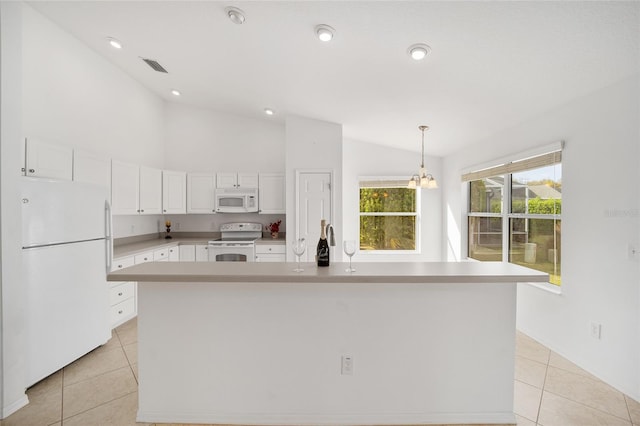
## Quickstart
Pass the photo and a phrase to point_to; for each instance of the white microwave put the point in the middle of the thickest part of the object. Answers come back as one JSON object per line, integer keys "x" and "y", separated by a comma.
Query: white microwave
{"x": 236, "y": 200}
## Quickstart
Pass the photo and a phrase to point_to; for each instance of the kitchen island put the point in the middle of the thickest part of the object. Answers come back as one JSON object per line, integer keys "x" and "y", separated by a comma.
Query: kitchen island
{"x": 392, "y": 343}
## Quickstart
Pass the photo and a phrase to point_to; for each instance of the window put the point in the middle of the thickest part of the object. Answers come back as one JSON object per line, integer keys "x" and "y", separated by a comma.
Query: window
{"x": 514, "y": 214}
{"x": 388, "y": 216}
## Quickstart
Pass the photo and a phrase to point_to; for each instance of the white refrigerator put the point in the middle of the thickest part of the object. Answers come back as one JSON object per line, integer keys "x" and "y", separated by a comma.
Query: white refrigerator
{"x": 66, "y": 254}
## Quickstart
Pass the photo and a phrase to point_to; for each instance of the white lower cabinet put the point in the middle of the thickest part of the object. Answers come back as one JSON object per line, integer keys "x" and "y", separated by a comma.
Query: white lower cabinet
{"x": 270, "y": 253}
{"x": 174, "y": 254}
{"x": 202, "y": 253}
{"x": 122, "y": 295}
{"x": 194, "y": 253}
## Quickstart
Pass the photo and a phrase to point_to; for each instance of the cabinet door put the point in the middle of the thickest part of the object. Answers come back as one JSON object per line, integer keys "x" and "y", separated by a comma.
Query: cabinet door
{"x": 48, "y": 160}
{"x": 150, "y": 190}
{"x": 200, "y": 190}
{"x": 90, "y": 168}
{"x": 202, "y": 253}
{"x": 227, "y": 180}
{"x": 174, "y": 254}
{"x": 187, "y": 253}
{"x": 174, "y": 187}
{"x": 125, "y": 188}
{"x": 247, "y": 180}
{"x": 272, "y": 193}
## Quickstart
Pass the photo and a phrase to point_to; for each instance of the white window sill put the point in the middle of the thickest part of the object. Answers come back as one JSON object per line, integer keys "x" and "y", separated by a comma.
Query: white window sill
{"x": 548, "y": 287}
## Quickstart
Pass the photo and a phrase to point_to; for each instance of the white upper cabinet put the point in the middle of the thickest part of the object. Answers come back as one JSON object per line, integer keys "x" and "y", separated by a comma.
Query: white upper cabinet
{"x": 150, "y": 190}
{"x": 48, "y": 160}
{"x": 237, "y": 180}
{"x": 200, "y": 190}
{"x": 174, "y": 188}
{"x": 135, "y": 189}
{"x": 125, "y": 188}
{"x": 272, "y": 193}
{"x": 90, "y": 168}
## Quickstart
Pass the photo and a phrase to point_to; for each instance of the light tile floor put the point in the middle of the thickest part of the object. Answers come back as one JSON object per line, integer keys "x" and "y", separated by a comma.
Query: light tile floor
{"x": 101, "y": 389}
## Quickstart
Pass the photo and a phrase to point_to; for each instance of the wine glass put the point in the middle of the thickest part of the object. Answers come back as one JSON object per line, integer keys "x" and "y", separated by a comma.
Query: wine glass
{"x": 299, "y": 246}
{"x": 349, "y": 249}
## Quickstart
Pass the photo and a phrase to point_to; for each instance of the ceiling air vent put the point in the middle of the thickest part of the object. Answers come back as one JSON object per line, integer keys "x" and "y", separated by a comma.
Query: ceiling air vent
{"x": 155, "y": 65}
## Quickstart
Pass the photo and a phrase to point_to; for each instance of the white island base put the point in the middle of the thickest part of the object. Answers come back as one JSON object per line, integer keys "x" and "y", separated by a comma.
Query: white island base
{"x": 437, "y": 349}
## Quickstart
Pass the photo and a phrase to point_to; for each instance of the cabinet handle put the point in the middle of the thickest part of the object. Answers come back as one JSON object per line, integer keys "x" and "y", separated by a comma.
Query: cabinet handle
{"x": 164, "y": 211}
{"x": 145, "y": 258}
{"x": 120, "y": 312}
{"x": 23, "y": 170}
{"x": 32, "y": 170}
{"x": 120, "y": 294}
{"x": 138, "y": 210}
{"x": 119, "y": 266}
{"x": 141, "y": 211}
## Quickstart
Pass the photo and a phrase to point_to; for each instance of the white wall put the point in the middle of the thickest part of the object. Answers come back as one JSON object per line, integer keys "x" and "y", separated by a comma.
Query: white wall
{"x": 601, "y": 171}
{"x": 202, "y": 140}
{"x": 12, "y": 370}
{"x": 313, "y": 145}
{"x": 56, "y": 89}
{"x": 362, "y": 159}
{"x": 75, "y": 97}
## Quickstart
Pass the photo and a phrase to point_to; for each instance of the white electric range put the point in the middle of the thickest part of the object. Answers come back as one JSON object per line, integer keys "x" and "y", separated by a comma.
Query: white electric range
{"x": 237, "y": 243}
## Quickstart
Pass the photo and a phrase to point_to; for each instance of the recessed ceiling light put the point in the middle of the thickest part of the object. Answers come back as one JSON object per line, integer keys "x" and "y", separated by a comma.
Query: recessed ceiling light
{"x": 114, "y": 43}
{"x": 418, "y": 51}
{"x": 324, "y": 32}
{"x": 235, "y": 15}
{"x": 175, "y": 92}
{"x": 269, "y": 111}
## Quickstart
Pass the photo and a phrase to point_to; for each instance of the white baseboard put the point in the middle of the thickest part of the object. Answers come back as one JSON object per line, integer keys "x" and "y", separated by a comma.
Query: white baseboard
{"x": 327, "y": 419}
{"x": 14, "y": 406}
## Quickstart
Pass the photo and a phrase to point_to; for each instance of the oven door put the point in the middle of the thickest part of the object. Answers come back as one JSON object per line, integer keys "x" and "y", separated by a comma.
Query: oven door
{"x": 232, "y": 252}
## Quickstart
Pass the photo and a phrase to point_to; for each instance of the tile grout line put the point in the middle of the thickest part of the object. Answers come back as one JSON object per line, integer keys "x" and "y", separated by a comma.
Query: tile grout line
{"x": 592, "y": 408}
{"x": 544, "y": 383}
{"x": 97, "y": 406}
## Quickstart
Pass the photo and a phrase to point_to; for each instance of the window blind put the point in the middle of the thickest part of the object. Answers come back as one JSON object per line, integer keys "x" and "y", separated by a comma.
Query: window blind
{"x": 515, "y": 166}
{"x": 386, "y": 183}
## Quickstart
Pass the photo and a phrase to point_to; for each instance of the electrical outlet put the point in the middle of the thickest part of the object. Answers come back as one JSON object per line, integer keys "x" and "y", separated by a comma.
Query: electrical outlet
{"x": 632, "y": 252}
{"x": 177, "y": 226}
{"x": 596, "y": 330}
{"x": 133, "y": 229}
{"x": 347, "y": 365}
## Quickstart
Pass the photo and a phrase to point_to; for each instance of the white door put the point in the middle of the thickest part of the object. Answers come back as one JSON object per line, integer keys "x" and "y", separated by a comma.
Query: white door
{"x": 313, "y": 205}
{"x": 200, "y": 190}
{"x": 125, "y": 188}
{"x": 247, "y": 180}
{"x": 174, "y": 187}
{"x": 271, "y": 193}
{"x": 227, "y": 180}
{"x": 48, "y": 160}
{"x": 150, "y": 190}
{"x": 91, "y": 168}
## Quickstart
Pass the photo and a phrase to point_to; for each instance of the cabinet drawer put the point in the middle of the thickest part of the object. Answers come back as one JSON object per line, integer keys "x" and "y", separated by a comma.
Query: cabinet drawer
{"x": 123, "y": 310}
{"x": 122, "y": 262}
{"x": 271, "y": 248}
{"x": 161, "y": 254}
{"x": 121, "y": 292}
{"x": 143, "y": 257}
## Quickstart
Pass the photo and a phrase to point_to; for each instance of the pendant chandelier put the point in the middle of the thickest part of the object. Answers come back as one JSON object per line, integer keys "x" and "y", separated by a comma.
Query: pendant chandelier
{"x": 423, "y": 179}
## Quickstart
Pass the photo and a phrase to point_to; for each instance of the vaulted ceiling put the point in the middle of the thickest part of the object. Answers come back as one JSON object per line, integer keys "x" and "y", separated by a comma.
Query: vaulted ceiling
{"x": 492, "y": 64}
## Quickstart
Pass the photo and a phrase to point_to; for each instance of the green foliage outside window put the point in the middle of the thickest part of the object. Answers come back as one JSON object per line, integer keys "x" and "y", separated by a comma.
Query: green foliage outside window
{"x": 389, "y": 229}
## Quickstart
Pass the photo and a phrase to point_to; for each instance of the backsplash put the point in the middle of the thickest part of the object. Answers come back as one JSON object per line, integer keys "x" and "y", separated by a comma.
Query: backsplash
{"x": 133, "y": 225}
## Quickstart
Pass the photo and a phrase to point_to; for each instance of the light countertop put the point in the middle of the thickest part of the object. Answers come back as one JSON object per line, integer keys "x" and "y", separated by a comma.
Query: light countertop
{"x": 132, "y": 249}
{"x": 396, "y": 272}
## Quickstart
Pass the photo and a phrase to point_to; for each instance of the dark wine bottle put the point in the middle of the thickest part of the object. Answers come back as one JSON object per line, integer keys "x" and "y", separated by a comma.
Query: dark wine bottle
{"x": 322, "y": 253}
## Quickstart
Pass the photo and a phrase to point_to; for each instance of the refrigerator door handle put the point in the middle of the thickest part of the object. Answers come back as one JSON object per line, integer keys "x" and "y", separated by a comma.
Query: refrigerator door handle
{"x": 108, "y": 223}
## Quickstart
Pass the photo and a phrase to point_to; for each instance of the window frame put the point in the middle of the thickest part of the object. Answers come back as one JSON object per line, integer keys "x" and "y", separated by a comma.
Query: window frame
{"x": 417, "y": 215}
{"x": 506, "y": 215}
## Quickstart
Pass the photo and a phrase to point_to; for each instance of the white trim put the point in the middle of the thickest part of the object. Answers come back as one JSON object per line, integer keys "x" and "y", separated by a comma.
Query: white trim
{"x": 308, "y": 419}
{"x": 540, "y": 150}
{"x": 548, "y": 287}
{"x": 14, "y": 406}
